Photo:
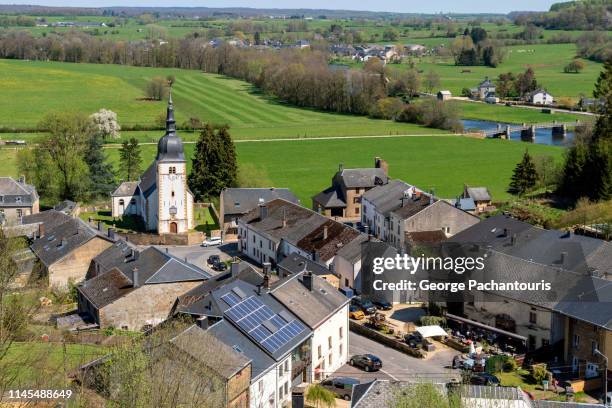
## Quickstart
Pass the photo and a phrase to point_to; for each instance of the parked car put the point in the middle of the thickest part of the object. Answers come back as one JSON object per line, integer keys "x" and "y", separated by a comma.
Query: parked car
{"x": 355, "y": 313}
{"x": 368, "y": 362}
{"x": 364, "y": 304}
{"x": 484, "y": 379}
{"x": 212, "y": 241}
{"x": 341, "y": 386}
{"x": 413, "y": 339}
{"x": 383, "y": 305}
{"x": 219, "y": 266}
{"x": 213, "y": 259}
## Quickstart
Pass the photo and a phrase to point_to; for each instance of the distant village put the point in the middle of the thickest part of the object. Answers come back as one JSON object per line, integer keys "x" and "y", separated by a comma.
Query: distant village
{"x": 280, "y": 288}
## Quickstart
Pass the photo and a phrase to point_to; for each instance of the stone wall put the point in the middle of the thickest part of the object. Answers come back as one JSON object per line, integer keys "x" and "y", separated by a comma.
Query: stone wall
{"x": 74, "y": 266}
{"x": 191, "y": 238}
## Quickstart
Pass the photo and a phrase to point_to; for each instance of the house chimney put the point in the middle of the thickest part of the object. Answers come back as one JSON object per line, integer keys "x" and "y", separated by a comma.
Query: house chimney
{"x": 111, "y": 233}
{"x": 99, "y": 225}
{"x": 22, "y": 179}
{"x": 135, "y": 255}
{"x": 235, "y": 267}
{"x": 513, "y": 240}
{"x": 266, "y": 281}
{"x": 135, "y": 278}
{"x": 324, "y": 232}
{"x": 563, "y": 258}
{"x": 284, "y": 218}
{"x": 307, "y": 280}
{"x": 332, "y": 268}
{"x": 458, "y": 202}
{"x": 381, "y": 164}
{"x": 366, "y": 229}
{"x": 263, "y": 211}
{"x": 266, "y": 268}
{"x": 403, "y": 199}
{"x": 41, "y": 229}
{"x": 202, "y": 322}
{"x": 315, "y": 255}
{"x": 505, "y": 234}
{"x": 340, "y": 167}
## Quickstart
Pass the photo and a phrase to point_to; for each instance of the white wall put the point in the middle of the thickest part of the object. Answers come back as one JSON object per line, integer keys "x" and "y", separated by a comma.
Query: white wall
{"x": 172, "y": 191}
{"x": 339, "y": 349}
{"x": 255, "y": 245}
{"x": 542, "y": 98}
{"x": 271, "y": 386}
{"x": 127, "y": 208}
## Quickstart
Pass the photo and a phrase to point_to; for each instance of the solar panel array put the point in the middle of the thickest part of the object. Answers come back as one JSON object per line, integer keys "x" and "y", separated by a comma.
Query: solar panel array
{"x": 272, "y": 331}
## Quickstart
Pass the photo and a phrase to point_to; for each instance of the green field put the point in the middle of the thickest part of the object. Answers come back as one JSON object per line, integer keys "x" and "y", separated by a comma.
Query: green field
{"x": 35, "y": 88}
{"x": 443, "y": 163}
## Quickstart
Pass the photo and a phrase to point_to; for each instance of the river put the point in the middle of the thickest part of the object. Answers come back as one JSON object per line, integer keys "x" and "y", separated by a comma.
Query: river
{"x": 543, "y": 136}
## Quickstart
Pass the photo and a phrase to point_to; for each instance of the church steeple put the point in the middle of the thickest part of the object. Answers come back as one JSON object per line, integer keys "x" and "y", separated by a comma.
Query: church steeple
{"x": 170, "y": 146}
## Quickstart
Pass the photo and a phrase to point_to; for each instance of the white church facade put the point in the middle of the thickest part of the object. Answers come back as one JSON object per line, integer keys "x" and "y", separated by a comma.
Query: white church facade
{"x": 161, "y": 196}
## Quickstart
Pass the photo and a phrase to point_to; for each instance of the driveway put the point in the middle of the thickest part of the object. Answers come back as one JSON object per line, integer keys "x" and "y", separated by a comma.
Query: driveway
{"x": 399, "y": 366}
{"x": 197, "y": 255}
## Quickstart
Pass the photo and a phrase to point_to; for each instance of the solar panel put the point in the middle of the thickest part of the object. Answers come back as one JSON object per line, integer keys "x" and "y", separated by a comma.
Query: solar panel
{"x": 272, "y": 331}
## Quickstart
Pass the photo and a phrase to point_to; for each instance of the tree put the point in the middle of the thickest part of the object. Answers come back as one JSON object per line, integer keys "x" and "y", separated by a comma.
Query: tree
{"x": 526, "y": 82}
{"x": 130, "y": 159}
{"x": 478, "y": 34}
{"x": 320, "y": 396}
{"x": 157, "y": 89}
{"x": 547, "y": 170}
{"x": 105, "y": 123}
{"x": 390, "y": 34}
{"x": 505, "y": 86}
{"x": 257, "y": 38}
{"x": 102, "y": 178}
{"x": 432, "y": 81}
{"x": 575, "y": 66}
{"x": 65, "y": 145}
{"x": 524, "y": 177}
{"x": 214, "y": 163}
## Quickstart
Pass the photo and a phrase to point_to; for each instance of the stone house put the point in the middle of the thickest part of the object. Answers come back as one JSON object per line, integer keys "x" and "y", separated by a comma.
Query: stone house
{"x": 66, "y": 250}
{"x": 481, "y": 197}
{"x": 132, "y": 289}
{"x": 17, "y": 199}
{"x": 343, "y": 198}
{"x": 484, "y": 90}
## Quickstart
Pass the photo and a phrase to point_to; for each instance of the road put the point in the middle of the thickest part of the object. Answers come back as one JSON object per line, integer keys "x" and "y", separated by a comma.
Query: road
{"x": 399, "y": 366}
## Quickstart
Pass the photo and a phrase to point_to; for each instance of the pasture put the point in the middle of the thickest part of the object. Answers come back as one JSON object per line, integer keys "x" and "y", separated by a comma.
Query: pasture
{"x": 35, "y": 88}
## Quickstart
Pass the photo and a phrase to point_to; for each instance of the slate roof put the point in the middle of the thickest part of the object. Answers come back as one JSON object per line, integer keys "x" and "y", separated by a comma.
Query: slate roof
{"x": 486, "y": 84}
{"x": 237, "y": 201}
{"x": 560, "y": 404}
{"x": 388, "y": 197}
{"x": 331, "y": 197}
{"x": 367, "y": 177}
{"x": 62, "y": 240}
{"x": 14, "y": 193}
{"x": 296, "y": 263}
{"x": 413, "y": 206}
{"x": 104, "y": 289}
{"x": 148, "y": 180}
{"x": 66, "y": 206}
{"x": 314, "y": 306}
{"x": 465, "y": 204}
{"x": 50, "y": 219}
{"x": 203, "y": 345}
{"x": 127, "y": 188}
{"x": 352, "y": 251}
{"x": 479, "y": 193}
{"x": 338, "y": 235}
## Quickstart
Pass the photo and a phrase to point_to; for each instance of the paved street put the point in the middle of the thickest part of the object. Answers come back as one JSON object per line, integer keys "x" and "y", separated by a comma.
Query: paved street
{"x": 197, "y": 255}
{"x": 399, "y": 366}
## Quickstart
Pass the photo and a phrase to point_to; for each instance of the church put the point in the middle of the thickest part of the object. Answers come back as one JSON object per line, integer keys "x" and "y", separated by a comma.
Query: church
{"x": 161, "y": 196}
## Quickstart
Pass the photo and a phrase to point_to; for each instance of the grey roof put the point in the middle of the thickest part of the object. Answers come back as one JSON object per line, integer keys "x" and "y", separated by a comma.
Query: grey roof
{"x": 560, "y": 404}
{"x": 238, "y": 201}
{"x": 206, "y": 347}
{"x": 148, "y": 180}
{"x": 465, "y": 204}
{"x": 314, "y": 306}
{"x": 413, "y": 206}
{"x": 367, "y": 177}
{"x": 104, "y": 289}
{"x": 237, "y": 341}
{"x": 50, "y": 218}
{"x": 296, "y": 263}
{"x": 127, "y": 188}
{"x": 479, "y": 193}
{"x": 331, "y": 197}
{"x": 170, "y": 146}
{"x": 14, "y": 193}
{"x": 62, "y": 240}
{"x": 352, "y": 251}
{"x": 486, "y": 84}
{"x": 66, "y": 206}
{"x": 389, "y": 196}
{"x": 268, "y": 300}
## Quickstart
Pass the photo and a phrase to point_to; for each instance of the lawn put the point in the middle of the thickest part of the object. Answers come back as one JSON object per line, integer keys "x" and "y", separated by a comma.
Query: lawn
{"x": 507, "y": 114}
{"x": 36, "y": 87}
{"x": 39, "y": 365}
{"x": 443, "y": 163}
{"x": 522, "y": 378}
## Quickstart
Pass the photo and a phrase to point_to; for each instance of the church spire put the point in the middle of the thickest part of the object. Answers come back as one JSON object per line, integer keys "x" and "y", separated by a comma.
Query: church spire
{"x": 170, "y": 122}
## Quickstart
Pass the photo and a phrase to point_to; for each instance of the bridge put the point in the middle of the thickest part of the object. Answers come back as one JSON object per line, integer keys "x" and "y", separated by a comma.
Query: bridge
{"x": 528, "y": 131}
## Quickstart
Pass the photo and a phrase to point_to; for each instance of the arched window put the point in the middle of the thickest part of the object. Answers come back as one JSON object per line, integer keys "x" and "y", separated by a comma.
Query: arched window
{"x": 121, "y": 202}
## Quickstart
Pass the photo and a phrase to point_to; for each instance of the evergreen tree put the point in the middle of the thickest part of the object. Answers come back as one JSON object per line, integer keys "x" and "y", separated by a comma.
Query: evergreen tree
{"x": 101, "y": 174}
{"x": 573, "y": 171}
{"x": 525, "y": 176}
{"x": 214, "y": 164}
{"x": 130, "y": 159}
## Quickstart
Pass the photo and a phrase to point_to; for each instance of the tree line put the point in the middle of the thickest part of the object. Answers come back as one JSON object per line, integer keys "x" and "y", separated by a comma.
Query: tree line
{"x": 574, "y": 15}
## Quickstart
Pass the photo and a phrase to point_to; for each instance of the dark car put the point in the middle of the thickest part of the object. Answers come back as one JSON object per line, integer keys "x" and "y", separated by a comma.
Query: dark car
{"x": 364, "y": 304}
{"x": 413, "y": 340}
{"x": 383, "y": 305}
{"x": 219, "y": 266}
{"x": 368, "y": 362}
{"x": 484, "y": 379}
{"x": 341, "y": 386}
{"x": 213, "y": 259}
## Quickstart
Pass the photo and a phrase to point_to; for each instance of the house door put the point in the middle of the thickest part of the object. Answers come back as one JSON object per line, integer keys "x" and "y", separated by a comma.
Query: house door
{"x": 173, "y": 228}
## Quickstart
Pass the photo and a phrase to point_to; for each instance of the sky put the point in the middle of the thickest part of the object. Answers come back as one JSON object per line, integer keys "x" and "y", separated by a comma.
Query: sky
{"x": 403, "y": 6}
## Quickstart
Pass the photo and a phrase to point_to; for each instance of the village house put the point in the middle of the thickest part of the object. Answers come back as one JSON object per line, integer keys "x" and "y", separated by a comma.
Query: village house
{"x": 481, "y": 197}
{"x": 540, "y": 97}
{"x": 294, "y": 264}
{"x": 66, "y": 250}
{"x": 236, "y": 202}
{"x": 135, "y": 289}
{"x": 248, "y": 318}
{"x": 444, "y": 95}
{"x": 378, "y": 202}
{"x": 279, "y": 228}
{"x": 17, "y": 199}
{"x": 484, "y": 90}
{"x": 324, "y": 310}
{"x": 343, "y": 198}
{"x": 161, "y": 196}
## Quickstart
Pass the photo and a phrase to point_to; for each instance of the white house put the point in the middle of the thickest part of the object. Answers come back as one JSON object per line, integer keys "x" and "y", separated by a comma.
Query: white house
{"x": 161, "y": 196}
{"x": 540, "y": 97}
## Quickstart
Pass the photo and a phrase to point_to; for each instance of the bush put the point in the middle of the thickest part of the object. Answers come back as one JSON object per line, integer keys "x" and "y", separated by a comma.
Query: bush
{"x": 432, "y": 321}
{"x": 539, "y": 372}
{"x": 410, "y": 114}
{"x": 500, "y": 363}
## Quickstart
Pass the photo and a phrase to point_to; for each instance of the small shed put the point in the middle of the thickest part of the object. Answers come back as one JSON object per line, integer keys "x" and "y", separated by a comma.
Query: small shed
{"x": 431, "y": 331}
{"x": 444, "y": 95}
